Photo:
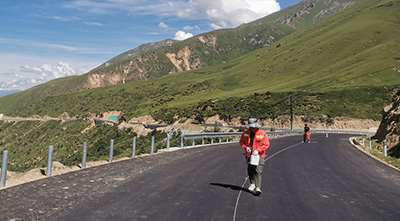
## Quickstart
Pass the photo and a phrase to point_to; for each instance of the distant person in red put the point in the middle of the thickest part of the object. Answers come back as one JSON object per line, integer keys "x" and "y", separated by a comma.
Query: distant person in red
{"x": 255, "y": 142}
{"x": 306, "y": 134}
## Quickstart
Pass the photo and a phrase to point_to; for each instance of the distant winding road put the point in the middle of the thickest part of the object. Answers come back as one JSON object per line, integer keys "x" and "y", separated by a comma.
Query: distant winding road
{"x": 328, "y": 179}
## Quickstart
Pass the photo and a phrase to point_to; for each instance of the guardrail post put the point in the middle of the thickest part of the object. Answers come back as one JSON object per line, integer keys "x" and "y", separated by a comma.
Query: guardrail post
{"x": 363, "y": 140}
{"x": 4, "y": 168}
{"x": 369, "y": 143}
{"x": 202, "y": 141}
{"x": 227, "y": 139}
{"x": 193, "y": 143}
{"x": 181, "y": 140}
{"x": 168, "y": 141}
{"x": 49, "y": 161}
{"x": 84, "y": 153}
{"x": 152, "y": 145}
{"x": 133, "y": 147}
{"x": 384, "y": 148}
{"x": 219, "y": 139}
{"x": 212, "y": 140}
{"x": 110, "y": 158}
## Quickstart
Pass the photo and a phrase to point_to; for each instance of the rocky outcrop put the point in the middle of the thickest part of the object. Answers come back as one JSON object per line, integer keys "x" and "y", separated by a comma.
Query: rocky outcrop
{"x": 209, "y": 40}
{"x": 98, "y": 80}
{"x": 138, "y": 50}
{"x": 296, "y": 14}
{"x": 304, "y": 8}
{"x": 333, "y": 7}
{"x": 134, "y": 69}
{"x": 183, "y": 61}
{"x": 389, "y": 128}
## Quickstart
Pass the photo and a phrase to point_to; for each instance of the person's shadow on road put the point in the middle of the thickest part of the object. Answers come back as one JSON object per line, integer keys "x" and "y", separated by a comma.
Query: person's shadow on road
{"x": 233, "y": 187}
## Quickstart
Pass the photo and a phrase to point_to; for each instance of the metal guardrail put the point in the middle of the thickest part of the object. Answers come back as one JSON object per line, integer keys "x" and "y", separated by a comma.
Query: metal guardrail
{"x": 229, "y": 136}
{"x": 210, "y": 135}
{"x": 343, "y": 131}
{"x": 271, "y": 134}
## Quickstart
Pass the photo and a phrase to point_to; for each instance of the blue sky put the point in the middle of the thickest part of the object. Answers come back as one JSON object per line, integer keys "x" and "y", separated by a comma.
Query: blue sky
{"x": 45, "y": 39}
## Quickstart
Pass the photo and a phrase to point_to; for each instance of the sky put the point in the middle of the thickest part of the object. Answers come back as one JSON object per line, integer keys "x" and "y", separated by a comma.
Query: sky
{"x": 41, "y": 40}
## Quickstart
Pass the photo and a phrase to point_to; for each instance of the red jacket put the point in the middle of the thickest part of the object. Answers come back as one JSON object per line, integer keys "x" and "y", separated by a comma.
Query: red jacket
{"x": 260, "y": 142}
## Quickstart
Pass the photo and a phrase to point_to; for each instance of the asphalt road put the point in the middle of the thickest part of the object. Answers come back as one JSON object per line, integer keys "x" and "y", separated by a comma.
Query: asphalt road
{"x": 327, "y": 179}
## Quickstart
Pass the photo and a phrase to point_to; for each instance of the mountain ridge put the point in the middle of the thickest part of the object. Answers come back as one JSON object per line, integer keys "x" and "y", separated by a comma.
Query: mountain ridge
{"x": 203, "y": 50}
{"x": 136, "y": 51}
{"x": 187, "y": 56}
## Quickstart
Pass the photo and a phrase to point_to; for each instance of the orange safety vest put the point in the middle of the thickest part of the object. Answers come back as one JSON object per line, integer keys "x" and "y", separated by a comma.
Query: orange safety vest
{"x": 260, "y": 142}
{"x": 307, "y": 134}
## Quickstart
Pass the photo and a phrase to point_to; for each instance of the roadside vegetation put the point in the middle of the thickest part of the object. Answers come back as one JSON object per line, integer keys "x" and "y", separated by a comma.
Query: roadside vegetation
{"x": 28, "y": 142}
{"x": 377, "y": 150}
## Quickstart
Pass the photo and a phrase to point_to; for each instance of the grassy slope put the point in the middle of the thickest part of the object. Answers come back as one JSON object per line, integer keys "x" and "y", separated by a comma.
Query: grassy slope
{"x": 353, "y": 54}
{"x": 230, "y": 45}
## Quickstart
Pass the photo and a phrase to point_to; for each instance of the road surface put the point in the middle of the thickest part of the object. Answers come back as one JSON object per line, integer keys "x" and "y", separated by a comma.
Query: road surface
{"x": 327, "y": 179}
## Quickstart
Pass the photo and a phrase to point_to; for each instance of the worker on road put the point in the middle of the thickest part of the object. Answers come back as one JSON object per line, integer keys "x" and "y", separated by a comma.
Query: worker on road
{"x": 306, "y": 134}
{"x": 255, "y": 142}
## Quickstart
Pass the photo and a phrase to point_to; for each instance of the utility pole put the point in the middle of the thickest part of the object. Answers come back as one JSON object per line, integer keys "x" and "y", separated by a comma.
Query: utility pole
{"x": 291, "y": 111}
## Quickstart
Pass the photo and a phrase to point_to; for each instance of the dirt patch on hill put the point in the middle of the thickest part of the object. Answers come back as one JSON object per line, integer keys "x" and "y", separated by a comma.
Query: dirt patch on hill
{"x": 321, "y": 122}
{"x": 280, "y": 122}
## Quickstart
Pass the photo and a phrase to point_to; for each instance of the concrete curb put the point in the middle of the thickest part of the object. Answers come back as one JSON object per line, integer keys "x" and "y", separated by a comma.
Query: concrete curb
{"x": 361, "y": 148}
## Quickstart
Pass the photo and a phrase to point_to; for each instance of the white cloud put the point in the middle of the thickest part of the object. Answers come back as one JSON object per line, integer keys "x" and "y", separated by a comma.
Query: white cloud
{"x": 181, "y": 35}
{"x": 228, "y": 13}
{"x": 38, "y": 44}
{"x": 66, "y": 19}
{"x": 94, "y": 24}
{"x": 188, "y": 27}
{"x": 48, "y": 72}
{"x": 221, "y": 13}
{"x": 116, "y": 6}
{"x": 162, "y": 25}
{"x": 28, "y": 76}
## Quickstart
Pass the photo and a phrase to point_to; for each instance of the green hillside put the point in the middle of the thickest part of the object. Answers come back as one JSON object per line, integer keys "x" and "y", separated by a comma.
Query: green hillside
{"x": 201, "y": 51}
{"x": 345, "y": 65}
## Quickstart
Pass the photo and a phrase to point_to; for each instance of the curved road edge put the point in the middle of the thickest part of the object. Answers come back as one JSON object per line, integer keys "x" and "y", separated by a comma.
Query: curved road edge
{"x": 362, "y": 149}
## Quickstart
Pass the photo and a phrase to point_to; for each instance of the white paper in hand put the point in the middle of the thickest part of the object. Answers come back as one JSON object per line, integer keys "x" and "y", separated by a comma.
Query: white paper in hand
{"x": 254, "y": 160}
